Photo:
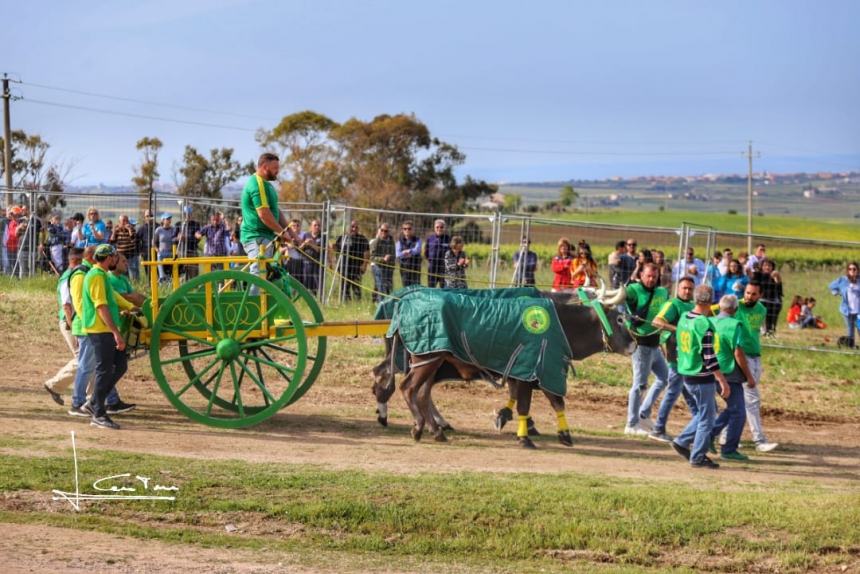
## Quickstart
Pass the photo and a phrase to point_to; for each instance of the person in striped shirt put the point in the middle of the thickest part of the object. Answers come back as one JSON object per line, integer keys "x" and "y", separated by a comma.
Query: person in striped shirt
{"x": 698, "y": 363}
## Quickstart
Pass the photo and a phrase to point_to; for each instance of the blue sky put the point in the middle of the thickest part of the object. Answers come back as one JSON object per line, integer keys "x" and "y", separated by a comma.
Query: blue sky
{"x": 530, "y": 91}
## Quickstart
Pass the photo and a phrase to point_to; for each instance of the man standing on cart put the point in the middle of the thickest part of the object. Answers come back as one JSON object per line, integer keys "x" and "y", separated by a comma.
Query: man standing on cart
{"x": 262, "y": 221}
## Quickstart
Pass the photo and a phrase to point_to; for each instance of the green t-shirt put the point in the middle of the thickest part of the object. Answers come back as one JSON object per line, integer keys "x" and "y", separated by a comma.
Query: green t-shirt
{"x": 727, "y": 336}
{"x": 691, "y": 333}
{"x": 637, "y": 298}
{"x": 252, "y": 227}
{"x": 77, "y": 325}
{"x": 752, "y": 319}
{"x": 91, "y": 319}
{"x": 120, "y": 283}
{"x": 672, "y": 312}
{"x": 64, "y": 278}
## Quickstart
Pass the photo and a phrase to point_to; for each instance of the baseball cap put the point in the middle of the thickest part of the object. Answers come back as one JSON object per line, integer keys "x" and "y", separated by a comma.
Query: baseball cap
{"x": 166, "y": 216}
{"x": 104, "y": 250}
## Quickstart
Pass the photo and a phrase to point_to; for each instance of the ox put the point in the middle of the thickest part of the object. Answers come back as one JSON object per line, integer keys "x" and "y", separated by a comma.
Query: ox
{"x": 585, "y": 335}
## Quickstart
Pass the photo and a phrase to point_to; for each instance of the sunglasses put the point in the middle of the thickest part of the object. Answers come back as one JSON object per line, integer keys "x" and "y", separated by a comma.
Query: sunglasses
{"x": 632, "y": 244}
{"x": 406, "y": 228}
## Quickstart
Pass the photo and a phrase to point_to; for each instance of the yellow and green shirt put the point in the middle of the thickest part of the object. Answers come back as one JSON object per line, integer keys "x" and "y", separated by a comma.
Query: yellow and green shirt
{"x": 252, "y": 199}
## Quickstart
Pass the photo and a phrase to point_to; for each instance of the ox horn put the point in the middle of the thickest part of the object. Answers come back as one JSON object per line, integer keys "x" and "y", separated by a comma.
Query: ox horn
{"x": 614, "y": 297}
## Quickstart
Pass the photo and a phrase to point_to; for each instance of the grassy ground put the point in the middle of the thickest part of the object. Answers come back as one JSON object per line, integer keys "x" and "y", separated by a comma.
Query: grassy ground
{"x": 519, "y": 522}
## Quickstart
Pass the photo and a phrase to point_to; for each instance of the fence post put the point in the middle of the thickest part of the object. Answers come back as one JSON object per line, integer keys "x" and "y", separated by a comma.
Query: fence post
{"x": 323, "y": 255}
{"x": 494, "y": 247}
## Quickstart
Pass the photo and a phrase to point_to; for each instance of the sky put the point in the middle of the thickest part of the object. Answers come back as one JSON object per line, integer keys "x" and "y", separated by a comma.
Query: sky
{"x": 538, "y": 91}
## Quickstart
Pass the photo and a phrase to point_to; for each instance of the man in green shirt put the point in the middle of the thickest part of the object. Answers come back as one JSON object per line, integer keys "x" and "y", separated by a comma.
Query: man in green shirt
{"x": 730, "y": 355}
{"x": 667, "y": 321}
{"x": 752, "y": 314}
{"x": 262, "y": 221}
{"x": 644, "y": 301}
{"x": 119, "y": 281}
{"x": 61, "y": 381}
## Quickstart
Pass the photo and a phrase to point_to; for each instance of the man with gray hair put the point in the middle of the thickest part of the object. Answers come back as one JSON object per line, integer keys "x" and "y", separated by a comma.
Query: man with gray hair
{"x": 698, "y": 363}
{"x": 733, "y": 363}
{"x": 434, "y": 250}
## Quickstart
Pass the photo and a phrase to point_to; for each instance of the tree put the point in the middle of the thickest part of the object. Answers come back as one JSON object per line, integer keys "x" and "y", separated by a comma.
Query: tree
{"x": 146, "y": 174}
{"x": 512, "y": 202}
{"x": 568, "y": 196}
{"x": 206, "y": 177}
{"x": 309, "y": 156}
{"x": 31, "y": 171}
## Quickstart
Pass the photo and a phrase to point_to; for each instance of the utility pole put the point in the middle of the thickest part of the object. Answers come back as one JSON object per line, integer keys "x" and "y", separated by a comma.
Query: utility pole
{"x": 7, "y": 139}
{"x": 749, "y": 154}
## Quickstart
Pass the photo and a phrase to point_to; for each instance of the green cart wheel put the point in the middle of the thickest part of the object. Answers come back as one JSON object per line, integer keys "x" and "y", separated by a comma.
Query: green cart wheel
{"x": 224, "y": 354}
{"x": 311, "y": 314}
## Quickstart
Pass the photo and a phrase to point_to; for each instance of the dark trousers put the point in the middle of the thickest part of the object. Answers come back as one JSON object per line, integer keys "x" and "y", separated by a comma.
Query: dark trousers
{"x": 296, "y": 268}
{"x": 773, "y": 308}
{"x": 350, "y": 285}
{"x": 410, "y": 272}
{"x": 311, "y": 276}
{"x": 111, "y": 365}
{"x": 436, "y": 274}
{"x": 734, "y": 416}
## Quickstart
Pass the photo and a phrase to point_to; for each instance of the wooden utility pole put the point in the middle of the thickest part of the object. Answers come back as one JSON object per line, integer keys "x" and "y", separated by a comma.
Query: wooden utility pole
{"x": 7, "y": 140}
{"x": 749, "y": 155}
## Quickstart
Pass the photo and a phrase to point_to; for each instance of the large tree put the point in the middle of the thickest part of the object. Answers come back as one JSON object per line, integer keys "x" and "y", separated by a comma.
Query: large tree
{"x": 204, "y": 177}
{"x": 308, "y": 156}
{"x": 32, "y": 171}
{"x": 146, "y": 174}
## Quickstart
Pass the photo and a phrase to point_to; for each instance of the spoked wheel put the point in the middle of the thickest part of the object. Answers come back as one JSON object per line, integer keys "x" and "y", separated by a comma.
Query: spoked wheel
{"x": 311, "y": 314}
{"x": 247, "y": 357}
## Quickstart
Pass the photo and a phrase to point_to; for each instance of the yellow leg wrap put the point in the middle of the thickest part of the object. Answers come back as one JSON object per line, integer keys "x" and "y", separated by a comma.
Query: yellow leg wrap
{"x": 511, "y": 404}
{"x": 562, "y": 422}
{"x": 523, "y": 428}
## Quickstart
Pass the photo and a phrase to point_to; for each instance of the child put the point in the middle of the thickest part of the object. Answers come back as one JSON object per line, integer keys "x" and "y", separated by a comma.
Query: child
{"x": 794, "y": 312}
{"x": 455, "y": 264}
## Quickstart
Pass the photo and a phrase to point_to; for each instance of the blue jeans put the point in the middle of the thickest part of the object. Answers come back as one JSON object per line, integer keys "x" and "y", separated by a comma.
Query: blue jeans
{"x": 134, "y": 267}
{"x": 676, "y": 388}
{"x": 252, "y": 249}
{"x": 86, "y": 373}
{"x": 646, "y": 360}
{"x": 383, "y": 280}
{"x": 851, "y": 324}
{"x": 733, "y": 418}
{"x": 698, "y": 430}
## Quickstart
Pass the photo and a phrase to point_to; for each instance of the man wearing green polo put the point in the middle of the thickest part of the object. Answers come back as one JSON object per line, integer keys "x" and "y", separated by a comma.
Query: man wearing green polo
{"x": 752, "y": 314}
{"x": 262, "y": 221}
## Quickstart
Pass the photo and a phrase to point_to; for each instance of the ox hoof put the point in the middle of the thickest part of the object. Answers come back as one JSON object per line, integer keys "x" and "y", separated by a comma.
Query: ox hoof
{"x": 526, "y": 442}
{"x": 448, "y": 428}
{"x": 532, "y": 428}
{"x": 416, "y": 433}
{"x": 565, "y": 438}
{"x": 440, "y": 437}
{"x": 382, "y": 420}
{"x": 503, "y": 415}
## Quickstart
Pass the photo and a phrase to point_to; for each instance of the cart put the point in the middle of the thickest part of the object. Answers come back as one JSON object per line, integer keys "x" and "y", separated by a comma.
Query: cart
{"x": 229, "y": 348}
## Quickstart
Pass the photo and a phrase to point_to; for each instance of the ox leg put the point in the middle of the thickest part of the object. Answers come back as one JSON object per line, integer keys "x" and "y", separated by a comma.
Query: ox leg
{"x": 524, "y": 401}
{"x": 506, "y": 413}
{"x": 437, "y": 416}
{"x": 425, "y": 403}
{"x": 557, "y": 404}
{"x": 411, "y": 387}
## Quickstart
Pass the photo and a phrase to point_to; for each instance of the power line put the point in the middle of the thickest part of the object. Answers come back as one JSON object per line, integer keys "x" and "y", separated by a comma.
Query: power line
{"x": 138, "y": 116}
{"x": 598, "y": 153}
{"x": 144, "y": 102}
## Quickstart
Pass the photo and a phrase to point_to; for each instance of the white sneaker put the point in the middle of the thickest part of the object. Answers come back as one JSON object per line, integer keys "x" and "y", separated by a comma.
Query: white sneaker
{"x": 646, "y": 424}
{"x": 635, "y": 430}
{"x": 766, "y": 446}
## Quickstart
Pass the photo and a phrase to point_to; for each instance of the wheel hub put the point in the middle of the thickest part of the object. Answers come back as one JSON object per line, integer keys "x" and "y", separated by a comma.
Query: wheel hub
{"x": 227, "y": 349}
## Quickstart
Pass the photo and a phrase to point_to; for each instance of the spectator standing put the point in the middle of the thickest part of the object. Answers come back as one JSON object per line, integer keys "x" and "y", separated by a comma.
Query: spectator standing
{"x": 756, "y": 259}
{"x": 434, "y": 250}
{"x": 145, "y": 237}
{"x": 645, "y": 300}
{"x": 562, "y": 265}
{"x": 771, "y": 293}
{"x": 752, "y": 314}
{"x": 311, "y": 251}
{"x": 164, "y": 238}
{"x": 4, "y": 255}
{"x": 456, "y": 263}
{"x": 77, "y": 238}
{"x": 295, "y": 264}
{"x": 525, "y": 264}
{"x": 584, "y": 267}
{"x": 698, "y": 363}
{"x": 352, "y": 251}
{"x": 28, "y": 230}
{"x": 408, "y": 252}
{"x": 216, "y": 238}
{"x": 725, "y": 259}
{"x": 57, "y": 242}
{"x": 712, "y": 272}
{"x": 383, "y": 255}
{"x": 733, "y": 282}
{"x": 665, "y": 270}
{"x": 848, "y": 288}
{"x": 186, "y": 238}
{"x": 645, "y": 256}
{"x": 124, "y": 237}
{"x": 94, "y": 230}
{"x": 691, "y": 266}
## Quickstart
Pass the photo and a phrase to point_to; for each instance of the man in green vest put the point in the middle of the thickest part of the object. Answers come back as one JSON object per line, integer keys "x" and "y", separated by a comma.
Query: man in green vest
{"x": 644, "y": 301}
{"x": 698, "y": 363}
{"x": 61, "y": 381}
{"x": 100, "y": 320}
{"x": 118, "y": 277}
{"x": 752, "y": 314}
{"x": 667, "y": 321}
{"x": 733, "y": 363}
{"x": 262, "y": 221}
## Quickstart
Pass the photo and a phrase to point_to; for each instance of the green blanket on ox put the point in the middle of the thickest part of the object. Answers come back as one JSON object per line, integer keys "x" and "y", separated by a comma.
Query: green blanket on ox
{"x": 508, "y": 332}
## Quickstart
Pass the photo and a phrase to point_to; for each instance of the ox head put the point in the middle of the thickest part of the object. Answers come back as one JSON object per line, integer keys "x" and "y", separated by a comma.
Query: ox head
{"x": 583, "y": 327}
